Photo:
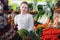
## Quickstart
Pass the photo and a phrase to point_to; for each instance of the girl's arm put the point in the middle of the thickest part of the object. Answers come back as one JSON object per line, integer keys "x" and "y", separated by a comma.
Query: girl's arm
{"x": 15, "y": 21}
{"x": 31, "y": 24}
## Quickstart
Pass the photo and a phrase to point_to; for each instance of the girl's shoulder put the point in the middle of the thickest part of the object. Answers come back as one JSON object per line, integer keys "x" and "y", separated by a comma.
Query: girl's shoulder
{"x": 30, "y": 14}
{"x": 17, "y": 15}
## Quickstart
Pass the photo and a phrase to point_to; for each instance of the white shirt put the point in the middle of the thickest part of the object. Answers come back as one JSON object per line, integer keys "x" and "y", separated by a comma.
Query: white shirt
{"x": 24, "y": 21}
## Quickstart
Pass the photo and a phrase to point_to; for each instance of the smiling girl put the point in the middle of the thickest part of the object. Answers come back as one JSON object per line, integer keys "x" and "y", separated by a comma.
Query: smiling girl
{"x": 24, "y": 20}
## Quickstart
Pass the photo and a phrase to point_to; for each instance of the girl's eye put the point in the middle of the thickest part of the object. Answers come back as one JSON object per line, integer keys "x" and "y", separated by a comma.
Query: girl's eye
{"x": 22, "y": 7}
{"x": 25, "y": 7}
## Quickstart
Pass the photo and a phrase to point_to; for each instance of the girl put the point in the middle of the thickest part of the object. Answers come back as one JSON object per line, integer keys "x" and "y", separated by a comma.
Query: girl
{"x": 24, "y": 20}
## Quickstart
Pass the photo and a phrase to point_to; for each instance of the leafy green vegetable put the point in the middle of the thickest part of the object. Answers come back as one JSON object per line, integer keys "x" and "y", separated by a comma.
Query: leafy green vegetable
{"x": 39, "y": 14}
{"x": 23, "y": 33}
{"x": 39, "y": 31}
{"x": 33, "y": 35}
{"x": 51, "y": 5}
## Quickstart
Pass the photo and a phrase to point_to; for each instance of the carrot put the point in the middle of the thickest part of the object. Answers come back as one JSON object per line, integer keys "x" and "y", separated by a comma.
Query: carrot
{"x": 55, "y": 21}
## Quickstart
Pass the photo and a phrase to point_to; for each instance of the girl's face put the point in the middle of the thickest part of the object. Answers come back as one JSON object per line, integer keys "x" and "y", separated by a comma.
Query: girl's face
{"x": 24, "y": 8}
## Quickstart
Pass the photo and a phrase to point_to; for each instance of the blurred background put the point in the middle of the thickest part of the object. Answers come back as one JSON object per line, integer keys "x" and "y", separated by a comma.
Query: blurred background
{"x": 40, "y": 9}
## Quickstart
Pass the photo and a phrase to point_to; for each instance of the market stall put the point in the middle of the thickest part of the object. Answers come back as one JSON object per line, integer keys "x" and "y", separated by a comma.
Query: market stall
{"x": 46, "y": 17}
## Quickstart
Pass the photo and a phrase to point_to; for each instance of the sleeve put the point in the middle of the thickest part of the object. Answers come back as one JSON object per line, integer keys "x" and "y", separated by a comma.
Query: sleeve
{"x": 15, "y": 20}
{"x": 31, "y": 24}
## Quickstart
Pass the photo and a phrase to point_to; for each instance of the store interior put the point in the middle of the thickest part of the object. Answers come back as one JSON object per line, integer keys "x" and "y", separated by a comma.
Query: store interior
{"x": 46, "y": 18}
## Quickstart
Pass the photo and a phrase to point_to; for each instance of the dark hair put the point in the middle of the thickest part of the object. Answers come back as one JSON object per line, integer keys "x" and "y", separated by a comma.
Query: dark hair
{"x": 24, "y": 2}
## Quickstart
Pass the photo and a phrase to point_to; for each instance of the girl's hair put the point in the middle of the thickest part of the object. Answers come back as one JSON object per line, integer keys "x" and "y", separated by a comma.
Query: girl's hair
{"x": 24, "y": 2}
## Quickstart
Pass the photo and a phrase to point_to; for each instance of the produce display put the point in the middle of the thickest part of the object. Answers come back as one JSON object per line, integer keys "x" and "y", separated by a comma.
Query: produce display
{"x": 45, "y": 27}
{"x": 51, "y": 34}
{"x": 40, "y": 34}
{"x": 46, "y": 31}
